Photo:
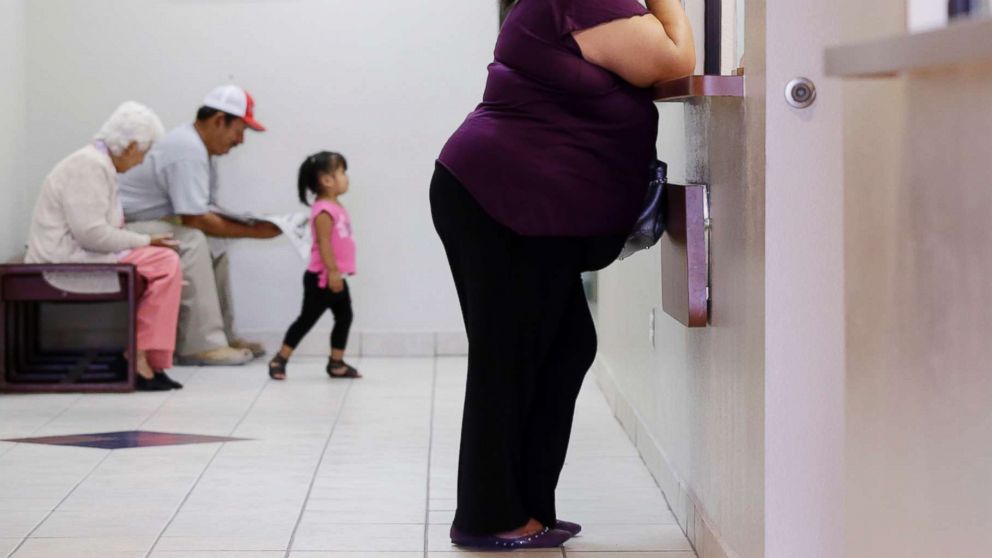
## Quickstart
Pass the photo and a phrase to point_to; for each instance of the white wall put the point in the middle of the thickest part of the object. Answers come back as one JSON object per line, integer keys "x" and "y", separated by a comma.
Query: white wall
{"x": 13, "y": 204}
{"x": 693, "y": 400}
{"x": 919, "y": 386}
{"x": 926, "y": 14}
{"x": 804, "y": 270}
{"x": 919, "y": 425}
{"x": 385, "y": 83}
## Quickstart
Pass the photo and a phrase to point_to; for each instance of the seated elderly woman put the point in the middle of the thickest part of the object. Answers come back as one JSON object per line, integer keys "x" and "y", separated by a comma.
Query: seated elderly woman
{"x": 78, "y": 219}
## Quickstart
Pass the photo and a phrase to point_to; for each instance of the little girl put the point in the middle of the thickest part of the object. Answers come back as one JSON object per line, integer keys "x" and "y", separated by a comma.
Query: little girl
{"x": 324, "y": 176}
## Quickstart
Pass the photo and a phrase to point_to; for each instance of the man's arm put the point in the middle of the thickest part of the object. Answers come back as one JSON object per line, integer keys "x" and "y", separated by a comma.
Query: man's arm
{"x": 213, "y": 224}
{"x": 188, "y": 182}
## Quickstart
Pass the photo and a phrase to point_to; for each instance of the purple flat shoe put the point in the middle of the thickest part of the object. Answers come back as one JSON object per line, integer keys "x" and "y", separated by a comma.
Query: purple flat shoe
{"x": 573, "y": 528}
{"x": 546, "y": 538}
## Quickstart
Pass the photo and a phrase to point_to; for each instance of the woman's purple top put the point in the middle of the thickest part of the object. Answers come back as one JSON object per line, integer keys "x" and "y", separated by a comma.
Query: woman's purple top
{"x": 559, "y": 146}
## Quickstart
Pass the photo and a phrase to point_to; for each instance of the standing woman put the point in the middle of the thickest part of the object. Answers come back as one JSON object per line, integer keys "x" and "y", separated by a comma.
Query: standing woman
{"x": 542, "y": 182}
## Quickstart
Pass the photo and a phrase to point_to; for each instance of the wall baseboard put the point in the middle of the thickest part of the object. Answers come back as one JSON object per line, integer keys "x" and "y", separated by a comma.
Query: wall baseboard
{"x": 373, "y": 343}
{"x": 688, "y": 511}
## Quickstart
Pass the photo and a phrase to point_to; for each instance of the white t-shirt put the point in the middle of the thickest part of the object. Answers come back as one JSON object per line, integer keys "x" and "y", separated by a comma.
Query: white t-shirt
{"x": 177, "y": 178}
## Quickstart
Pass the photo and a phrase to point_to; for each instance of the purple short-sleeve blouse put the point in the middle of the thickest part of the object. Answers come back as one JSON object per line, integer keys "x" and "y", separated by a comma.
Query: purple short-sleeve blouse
{"x": 559, "y": 146}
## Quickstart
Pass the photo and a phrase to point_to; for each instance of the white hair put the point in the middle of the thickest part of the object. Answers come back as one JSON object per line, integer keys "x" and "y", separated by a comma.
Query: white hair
{"x": 131, "y": 123}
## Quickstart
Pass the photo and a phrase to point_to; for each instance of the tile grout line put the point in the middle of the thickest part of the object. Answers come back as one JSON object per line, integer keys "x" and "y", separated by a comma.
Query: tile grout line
{"x": 430, "y": 457}
{"x": 72, "y": 404}
{"x": 57, "y": 416}
{"x": 204, "y": 471}
{"x": 316, "y": 469}
{"x": 156, "y": 410}
{"x": 56, "y": 507}
{"x": 166, "y": 400}
{"x": 62, "y": 501}
{"x": 47, "y": 422}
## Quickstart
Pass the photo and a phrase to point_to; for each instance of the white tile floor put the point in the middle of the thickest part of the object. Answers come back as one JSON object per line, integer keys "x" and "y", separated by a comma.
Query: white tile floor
{"x": 334, "y": 469}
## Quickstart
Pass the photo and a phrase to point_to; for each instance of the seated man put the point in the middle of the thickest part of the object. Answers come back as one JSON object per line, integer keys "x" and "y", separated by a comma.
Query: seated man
{"x": 172, "y": 192}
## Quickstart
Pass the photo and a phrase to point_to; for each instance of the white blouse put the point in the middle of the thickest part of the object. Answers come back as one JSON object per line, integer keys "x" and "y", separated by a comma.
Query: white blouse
{"x": 77, "y": 218}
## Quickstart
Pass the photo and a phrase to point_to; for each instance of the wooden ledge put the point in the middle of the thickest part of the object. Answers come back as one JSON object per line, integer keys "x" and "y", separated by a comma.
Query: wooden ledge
{"x": 691, "y": 87}
{"x": 685, "y": 255}
{"x": 962, "y": 42}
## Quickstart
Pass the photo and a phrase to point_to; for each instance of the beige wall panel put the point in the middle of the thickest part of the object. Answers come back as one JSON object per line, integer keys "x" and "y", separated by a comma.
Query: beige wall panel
{"x": 919, "y": 378}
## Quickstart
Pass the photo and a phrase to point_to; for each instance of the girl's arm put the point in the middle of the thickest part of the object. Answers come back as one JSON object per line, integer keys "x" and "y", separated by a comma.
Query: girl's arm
{"x": 643, "y": 50}
{"x": 324, "y": 224}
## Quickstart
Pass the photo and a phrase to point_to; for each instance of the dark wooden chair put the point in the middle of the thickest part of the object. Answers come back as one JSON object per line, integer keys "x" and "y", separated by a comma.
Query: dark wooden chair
{"x": 29, "y": 364}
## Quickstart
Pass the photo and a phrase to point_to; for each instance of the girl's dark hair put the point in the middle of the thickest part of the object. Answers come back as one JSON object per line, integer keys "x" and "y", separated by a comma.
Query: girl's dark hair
{"x": 206, "y": 113}
{"x": 325, "y": 162}
{"x": 504, "y": 9}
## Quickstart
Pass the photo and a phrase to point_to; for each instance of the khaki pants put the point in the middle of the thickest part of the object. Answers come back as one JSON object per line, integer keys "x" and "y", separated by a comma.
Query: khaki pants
{"x": 206, "y": 318}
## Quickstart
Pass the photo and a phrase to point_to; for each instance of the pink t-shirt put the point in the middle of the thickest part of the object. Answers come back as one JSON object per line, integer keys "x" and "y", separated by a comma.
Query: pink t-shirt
{"x": 342, "y": 241}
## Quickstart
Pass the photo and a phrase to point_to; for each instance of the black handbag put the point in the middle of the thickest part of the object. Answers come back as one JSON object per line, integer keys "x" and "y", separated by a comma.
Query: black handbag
{"x": 650, "y": 224}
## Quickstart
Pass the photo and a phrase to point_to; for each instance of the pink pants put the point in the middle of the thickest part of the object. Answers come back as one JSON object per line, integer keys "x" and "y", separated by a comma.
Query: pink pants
{"x": 158, "y": 309}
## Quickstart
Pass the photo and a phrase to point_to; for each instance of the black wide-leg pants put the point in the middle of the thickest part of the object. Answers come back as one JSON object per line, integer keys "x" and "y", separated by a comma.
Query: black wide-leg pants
{"x": 531, "y": 341}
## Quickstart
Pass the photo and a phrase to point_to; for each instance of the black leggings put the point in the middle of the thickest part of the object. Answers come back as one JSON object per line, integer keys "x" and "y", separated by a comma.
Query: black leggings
{"x": 531, "y": 341}
{"x": 315, "y": 302}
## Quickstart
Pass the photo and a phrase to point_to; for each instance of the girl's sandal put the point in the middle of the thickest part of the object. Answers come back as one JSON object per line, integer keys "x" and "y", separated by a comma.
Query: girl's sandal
{"x": 277, "y": 367}
{"x": 344, "y": 370}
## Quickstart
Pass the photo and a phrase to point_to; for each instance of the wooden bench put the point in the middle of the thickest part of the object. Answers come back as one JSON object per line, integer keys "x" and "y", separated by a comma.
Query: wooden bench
{"x": 29, "y": 364}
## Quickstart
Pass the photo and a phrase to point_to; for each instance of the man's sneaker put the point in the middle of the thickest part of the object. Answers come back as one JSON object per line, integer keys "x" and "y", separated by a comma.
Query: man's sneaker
{"x": 221, "y": 356}
{"x": 257, "y": 349}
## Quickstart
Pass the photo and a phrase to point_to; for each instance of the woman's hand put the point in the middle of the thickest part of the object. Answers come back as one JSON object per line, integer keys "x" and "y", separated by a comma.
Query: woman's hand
{"x": 164, "y": 241}
{"x": 335, "y": 281}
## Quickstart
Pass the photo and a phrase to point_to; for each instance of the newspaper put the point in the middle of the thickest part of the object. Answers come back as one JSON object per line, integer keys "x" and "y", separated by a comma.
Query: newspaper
{"x": 295, "y": 227}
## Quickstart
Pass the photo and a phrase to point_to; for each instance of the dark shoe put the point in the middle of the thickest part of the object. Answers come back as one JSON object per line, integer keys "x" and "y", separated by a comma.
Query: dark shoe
{"x": 277, "y": 367}
{"x": 155, "y": 384}
{"x": 161, "y": 375}
{"x": 546, "y": 538}
{"x": 573, "y": 528}
{"x": 344, "y": 370}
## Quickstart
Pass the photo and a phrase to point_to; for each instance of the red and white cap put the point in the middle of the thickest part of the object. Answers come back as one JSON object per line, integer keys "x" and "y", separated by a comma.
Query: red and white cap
{"x": 234, "y": 101}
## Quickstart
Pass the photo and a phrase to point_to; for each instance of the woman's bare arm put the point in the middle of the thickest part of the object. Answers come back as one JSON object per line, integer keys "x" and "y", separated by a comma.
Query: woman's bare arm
{"x": 643, "y": 50}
